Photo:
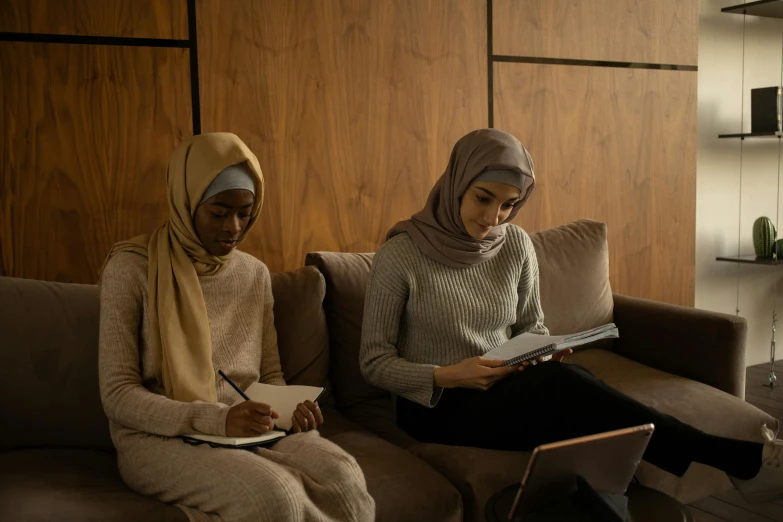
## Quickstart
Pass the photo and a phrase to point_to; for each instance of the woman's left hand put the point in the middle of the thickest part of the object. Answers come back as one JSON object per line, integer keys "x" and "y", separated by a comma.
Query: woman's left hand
{"x": 556, "y": 357}
{"x": 307, "y": 416}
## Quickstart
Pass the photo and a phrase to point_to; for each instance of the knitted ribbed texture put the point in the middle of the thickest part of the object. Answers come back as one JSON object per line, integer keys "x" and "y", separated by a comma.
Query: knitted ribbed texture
{"x": 302, "y": 477}
{"x": 420, "y": 314}
{"x": 241, "y": 321}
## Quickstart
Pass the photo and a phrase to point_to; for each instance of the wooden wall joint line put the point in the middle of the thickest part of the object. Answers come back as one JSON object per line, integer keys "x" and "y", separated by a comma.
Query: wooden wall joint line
{"x": 194, "y": 87}
{"x": 490, "y": 88}
{"x": 127, "y": 41}
{"x": 498, "y": 58}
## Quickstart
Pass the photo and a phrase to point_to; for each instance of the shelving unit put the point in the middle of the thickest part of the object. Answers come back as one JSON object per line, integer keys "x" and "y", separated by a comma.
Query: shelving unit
{"x": 750, "y": 260}
{"x": 766, "y": 9}
{"x": 753, "y": 135}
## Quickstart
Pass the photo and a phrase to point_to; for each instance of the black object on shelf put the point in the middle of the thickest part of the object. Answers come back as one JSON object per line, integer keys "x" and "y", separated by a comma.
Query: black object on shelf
{"x": 753, "y": 135}
{"x": 751, "y": 260}
{"x": 766, "y": 8}
{"x": 765, "y": 105}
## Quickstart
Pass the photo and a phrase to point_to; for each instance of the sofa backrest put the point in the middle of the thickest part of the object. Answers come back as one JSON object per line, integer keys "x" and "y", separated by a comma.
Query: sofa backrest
{"x": 573, "y": 265}
{"x": 49, "y": 368}
{"x": 300, "y": 321}
{"x": 49, "y": 356}
{"x": 346, "y": 280}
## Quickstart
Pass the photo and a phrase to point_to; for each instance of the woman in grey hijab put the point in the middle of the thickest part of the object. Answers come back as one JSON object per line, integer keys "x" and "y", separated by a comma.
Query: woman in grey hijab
{"x": 450, "y": 284}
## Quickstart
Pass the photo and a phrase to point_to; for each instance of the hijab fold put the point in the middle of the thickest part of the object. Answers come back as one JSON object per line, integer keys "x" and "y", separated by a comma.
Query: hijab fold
{"x": 437, "y": 229}
{"x": 178, "y": 324}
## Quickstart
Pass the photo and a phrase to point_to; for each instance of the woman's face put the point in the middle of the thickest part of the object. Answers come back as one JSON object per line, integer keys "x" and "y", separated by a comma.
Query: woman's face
{"x": 485, "y": 205}
{"x": 221, "y": 220}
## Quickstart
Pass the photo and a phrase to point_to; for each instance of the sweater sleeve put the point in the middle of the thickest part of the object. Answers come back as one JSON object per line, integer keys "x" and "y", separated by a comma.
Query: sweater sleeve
{"x": 125, "y": 399}
{"x": 271, "y": 370}
{"x": 380, "y": 362}
{"x": 530, "y": 316}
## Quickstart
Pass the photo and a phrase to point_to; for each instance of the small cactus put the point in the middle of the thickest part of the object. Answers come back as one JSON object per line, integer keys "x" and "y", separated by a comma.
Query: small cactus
{"x": 764, "y": 237}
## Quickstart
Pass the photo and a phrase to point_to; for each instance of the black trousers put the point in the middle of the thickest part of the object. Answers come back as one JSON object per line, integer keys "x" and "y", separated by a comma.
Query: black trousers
{"x": 555, "y": 401}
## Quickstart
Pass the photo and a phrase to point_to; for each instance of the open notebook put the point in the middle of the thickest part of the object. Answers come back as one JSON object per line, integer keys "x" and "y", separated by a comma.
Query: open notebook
{"x": 236, "y": 442}
{"x": 283, "y": 400}
{"x": 528, "y": 346}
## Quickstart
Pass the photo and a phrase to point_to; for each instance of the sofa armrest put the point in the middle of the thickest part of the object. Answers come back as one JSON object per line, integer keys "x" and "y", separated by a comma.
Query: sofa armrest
{"x": 704, "y": 346}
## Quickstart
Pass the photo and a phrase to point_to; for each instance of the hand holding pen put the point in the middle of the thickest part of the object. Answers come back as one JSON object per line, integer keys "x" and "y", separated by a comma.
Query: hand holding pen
{"x": 248, "y": 418}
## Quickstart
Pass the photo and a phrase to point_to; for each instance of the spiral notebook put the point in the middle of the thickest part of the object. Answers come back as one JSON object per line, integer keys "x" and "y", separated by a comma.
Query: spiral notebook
{"x": 528, "y": 346}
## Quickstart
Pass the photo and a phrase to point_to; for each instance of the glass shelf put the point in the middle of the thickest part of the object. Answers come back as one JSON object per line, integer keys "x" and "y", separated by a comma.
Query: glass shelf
{"x": 766, "y": 8}
{"x": 752, "y": 260}
{"x": 770, "y": 134}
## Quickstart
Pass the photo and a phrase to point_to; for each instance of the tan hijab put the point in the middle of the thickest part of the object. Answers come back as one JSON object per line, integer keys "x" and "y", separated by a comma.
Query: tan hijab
{"x": 437, "y": 229}
{"x": 179, "y": 327}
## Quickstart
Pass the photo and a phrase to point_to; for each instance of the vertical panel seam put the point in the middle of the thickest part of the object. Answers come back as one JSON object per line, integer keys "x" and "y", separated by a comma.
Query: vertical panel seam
{"x": 193, "y": 50}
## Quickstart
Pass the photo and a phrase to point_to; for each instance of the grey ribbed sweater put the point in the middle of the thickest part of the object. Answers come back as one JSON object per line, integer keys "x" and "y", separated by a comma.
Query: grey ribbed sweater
{"x": 420, "y": 314}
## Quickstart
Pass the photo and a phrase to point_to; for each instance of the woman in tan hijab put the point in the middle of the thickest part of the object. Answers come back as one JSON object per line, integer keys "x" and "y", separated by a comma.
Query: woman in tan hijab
{"x": 176, "y": 306}
{"x": 451, "y": 284}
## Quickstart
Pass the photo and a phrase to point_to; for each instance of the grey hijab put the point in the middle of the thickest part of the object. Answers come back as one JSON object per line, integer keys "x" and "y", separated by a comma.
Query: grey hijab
{"x": 437, "y": 229}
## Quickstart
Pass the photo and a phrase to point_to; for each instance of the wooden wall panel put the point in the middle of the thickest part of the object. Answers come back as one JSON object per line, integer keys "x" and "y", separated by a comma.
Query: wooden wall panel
{"x": 87, "y": 132}
{"x": 616, "y": 145}
{"x": 351, "y": 106}
{"x": 135, "y": 18}
{"x": 648, "y": 31}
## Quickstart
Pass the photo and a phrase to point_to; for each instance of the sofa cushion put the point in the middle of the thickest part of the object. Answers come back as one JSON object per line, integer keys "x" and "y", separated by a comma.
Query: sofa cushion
{"x": 346, "y": 280}
{"x": 702, "y": 406}
{"x": 475, "y": 472}
{"x": 478, "y": 473}
{"x": 302, "y": 338}
{"x": 574, "y": 285}
{"x": 70, "y": 485}
{"x": 49, "y": 369}
{"x": 404, "y": 487}
{"x": 49, "y": 356}
{"x": 573, "y": 263}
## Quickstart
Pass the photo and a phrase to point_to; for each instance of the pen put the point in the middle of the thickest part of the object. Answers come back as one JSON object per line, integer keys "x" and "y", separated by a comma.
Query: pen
{"x": 240, "y": 392}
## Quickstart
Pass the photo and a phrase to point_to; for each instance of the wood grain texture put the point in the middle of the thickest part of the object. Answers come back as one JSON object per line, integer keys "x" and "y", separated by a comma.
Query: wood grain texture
{"x": 351, "y": 106}
{"x": 619, "y": 146}
{"x": 132, "y": 18}
{"x": 648, "y": 31}
{"x": 86, "y": 136}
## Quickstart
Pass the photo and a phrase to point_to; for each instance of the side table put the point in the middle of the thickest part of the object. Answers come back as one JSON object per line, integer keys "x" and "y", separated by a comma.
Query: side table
{"x": 644, "y": 505}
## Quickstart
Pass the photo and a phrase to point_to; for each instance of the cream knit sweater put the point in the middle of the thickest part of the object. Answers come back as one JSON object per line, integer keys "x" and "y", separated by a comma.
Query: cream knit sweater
{"x": 301, "y": 477}
{"x": 244, "y": 345}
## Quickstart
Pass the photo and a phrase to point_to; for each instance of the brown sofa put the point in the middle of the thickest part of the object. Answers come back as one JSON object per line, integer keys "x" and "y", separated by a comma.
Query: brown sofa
{"x": 57, "y": 461}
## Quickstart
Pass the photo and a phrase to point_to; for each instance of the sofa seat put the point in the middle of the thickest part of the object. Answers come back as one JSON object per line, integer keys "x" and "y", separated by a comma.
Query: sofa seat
{"x": 84, "y": 485}
{"x": 72, "y": 485}
{"x": 404, "y": 487}
{"x": 704, "y": 407}
{"x": 479, "y": 473}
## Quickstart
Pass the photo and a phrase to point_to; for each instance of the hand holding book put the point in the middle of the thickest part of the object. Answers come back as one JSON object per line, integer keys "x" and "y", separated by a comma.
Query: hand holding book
{"x": 529, "y": 346}
{"x": 478, "y": 373}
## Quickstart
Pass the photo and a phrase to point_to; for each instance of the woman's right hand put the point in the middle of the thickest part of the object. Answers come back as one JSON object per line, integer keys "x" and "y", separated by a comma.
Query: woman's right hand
{"x": 250, "y": 419}
{"x": 478, "y": 373}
